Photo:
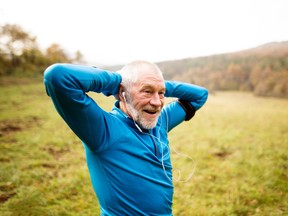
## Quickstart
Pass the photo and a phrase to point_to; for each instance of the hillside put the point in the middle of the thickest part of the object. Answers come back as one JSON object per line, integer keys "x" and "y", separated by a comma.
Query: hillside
{"x": 263, "y": 70}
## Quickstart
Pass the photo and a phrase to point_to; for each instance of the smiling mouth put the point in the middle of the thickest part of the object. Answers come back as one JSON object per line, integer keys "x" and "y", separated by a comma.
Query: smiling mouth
{"x": 151, "y": 112}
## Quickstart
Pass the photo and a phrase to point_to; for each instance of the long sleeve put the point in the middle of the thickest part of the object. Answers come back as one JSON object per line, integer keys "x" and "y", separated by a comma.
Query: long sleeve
{"x": 196, "y": 95}
{"x": 67, "y": 85}
{"x": 193, "y": 94}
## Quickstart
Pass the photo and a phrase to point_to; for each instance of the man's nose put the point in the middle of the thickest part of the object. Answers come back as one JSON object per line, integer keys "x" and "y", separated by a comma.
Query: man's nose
{"x": 155, "y": 100}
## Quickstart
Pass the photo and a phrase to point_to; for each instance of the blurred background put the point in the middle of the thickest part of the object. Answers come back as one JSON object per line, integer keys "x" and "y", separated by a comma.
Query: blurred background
{"x": 224, "y": 45}
{"x": 237, "y": 49}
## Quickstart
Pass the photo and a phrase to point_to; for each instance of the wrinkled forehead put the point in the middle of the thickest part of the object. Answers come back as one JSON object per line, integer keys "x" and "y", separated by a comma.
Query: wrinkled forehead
{"x": 152, "y": 80}
{"x": 150, "y": 76}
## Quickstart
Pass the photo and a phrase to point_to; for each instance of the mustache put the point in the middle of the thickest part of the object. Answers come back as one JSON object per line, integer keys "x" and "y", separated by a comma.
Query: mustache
{"x": 150, "y": 108}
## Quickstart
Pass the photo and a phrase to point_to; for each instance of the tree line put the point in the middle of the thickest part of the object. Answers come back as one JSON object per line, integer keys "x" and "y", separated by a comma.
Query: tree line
{"x": 262, "y": 70}
{"x": 20, "y": 54}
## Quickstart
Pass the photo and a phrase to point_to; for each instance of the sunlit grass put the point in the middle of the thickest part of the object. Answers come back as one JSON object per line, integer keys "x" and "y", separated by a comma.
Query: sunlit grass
{"x": 237, "y": 142}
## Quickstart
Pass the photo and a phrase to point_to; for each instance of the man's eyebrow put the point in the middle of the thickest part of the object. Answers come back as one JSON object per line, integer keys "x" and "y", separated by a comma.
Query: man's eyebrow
{"x": 152, "y": 87}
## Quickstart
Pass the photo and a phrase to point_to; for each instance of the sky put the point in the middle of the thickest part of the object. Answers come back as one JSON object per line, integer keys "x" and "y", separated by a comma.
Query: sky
{"x": 109, "y": 32}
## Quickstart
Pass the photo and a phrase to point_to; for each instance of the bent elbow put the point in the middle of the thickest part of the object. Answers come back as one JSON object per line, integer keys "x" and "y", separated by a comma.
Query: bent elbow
{"x": 53, "y": 77}
{"x": 53, "y": 72}
{"x": 205, "y": 95}
{"x": 56, "y": 74}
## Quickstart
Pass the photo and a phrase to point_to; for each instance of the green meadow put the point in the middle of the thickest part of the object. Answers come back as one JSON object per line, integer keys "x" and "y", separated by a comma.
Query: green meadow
{"x": 230, "y": 159}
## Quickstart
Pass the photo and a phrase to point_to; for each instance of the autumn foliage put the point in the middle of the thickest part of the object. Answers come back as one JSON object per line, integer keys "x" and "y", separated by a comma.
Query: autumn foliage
{"x": 262, "y": 70}
{"x": 20, "y": 54}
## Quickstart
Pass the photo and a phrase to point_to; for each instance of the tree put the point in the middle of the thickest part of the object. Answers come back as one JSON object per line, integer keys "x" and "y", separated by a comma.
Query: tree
{"x": 78, "y": 58}
{"x": 13, "y": 41}
{"x": 20, "y": 54}
{"x": 54, "y": 53}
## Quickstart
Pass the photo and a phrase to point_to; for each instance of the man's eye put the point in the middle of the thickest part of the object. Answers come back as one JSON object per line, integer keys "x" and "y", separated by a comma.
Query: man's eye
{"x": 161, "y": 94}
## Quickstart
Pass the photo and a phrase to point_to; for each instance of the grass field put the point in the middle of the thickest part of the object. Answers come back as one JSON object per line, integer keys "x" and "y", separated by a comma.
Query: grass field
{"x": 237, "y": 142}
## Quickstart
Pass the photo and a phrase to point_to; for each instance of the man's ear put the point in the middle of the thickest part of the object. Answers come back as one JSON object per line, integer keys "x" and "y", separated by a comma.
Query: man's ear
{"x": 121, "y": 93}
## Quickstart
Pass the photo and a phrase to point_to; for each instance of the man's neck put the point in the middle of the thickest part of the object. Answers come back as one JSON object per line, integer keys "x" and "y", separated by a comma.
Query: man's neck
{"x": 123, "y": 107}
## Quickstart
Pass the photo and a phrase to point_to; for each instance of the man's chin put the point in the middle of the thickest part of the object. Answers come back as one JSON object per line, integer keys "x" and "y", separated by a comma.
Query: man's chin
{"x": 148, "y": 125}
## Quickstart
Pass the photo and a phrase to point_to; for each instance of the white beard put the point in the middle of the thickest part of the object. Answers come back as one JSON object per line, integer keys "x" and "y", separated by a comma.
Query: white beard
{"x": 144, "y": 123}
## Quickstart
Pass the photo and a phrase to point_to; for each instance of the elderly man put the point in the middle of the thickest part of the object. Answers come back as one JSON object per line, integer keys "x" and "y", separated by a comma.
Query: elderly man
{"x": 127, "y": 149}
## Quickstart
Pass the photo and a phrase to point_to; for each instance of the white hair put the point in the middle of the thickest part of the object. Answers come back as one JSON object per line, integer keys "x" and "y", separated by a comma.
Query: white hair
{"x": 130, "y": 72}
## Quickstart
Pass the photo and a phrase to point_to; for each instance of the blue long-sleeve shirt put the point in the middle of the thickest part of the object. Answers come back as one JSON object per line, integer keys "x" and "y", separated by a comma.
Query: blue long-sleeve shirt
{"x": 130, "y": 169}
